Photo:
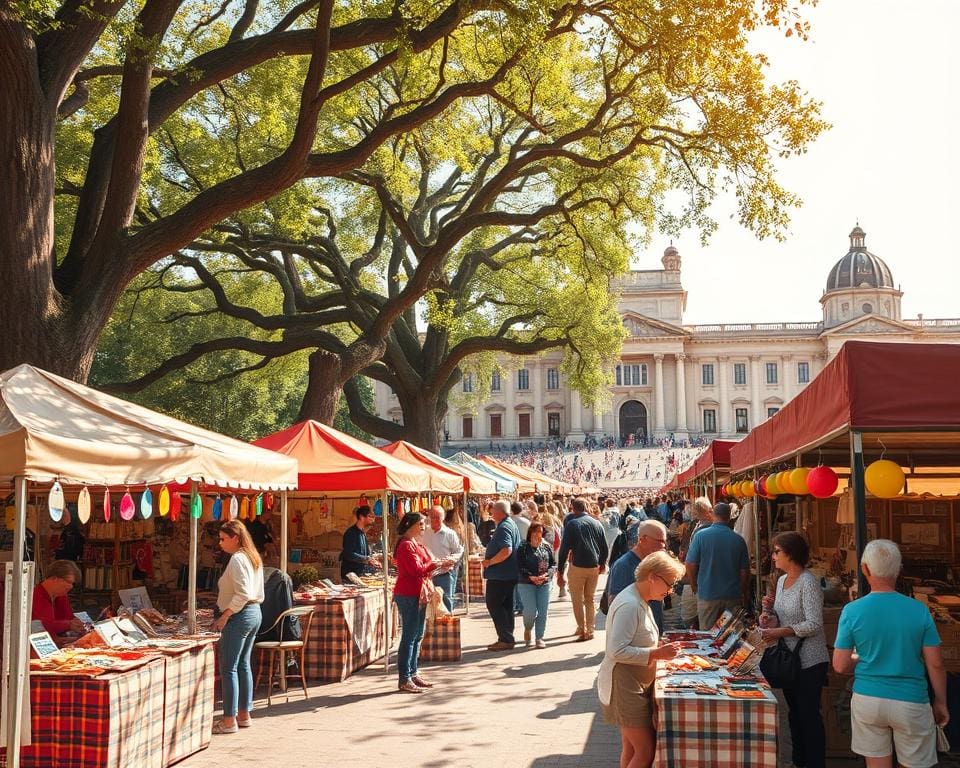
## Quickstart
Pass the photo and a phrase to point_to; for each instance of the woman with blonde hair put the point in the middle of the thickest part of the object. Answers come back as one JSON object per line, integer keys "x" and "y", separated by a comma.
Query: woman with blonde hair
{"x": 239, "y": 598}
{"x": 628, "y": 670}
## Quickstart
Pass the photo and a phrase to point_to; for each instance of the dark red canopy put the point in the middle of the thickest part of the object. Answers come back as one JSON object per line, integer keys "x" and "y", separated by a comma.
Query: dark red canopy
{"x": 869, "y": 387}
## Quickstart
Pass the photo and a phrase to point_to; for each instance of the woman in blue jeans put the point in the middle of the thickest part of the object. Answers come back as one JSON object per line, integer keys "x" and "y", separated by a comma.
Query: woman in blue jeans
{"x": 414, "y": 568}
{"x": 537, "y": 566}
{"x": 239, "y": 598}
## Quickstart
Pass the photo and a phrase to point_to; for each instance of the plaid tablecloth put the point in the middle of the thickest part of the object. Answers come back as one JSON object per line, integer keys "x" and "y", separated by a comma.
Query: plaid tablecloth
{"x": 441, "y": 642}
{"x": 346, "y": 635}
{"x": 713, "y": 732}
{"x": 476, "y": 577}
{"x": 111, "y": 721}
{"x": 189, "y": 702}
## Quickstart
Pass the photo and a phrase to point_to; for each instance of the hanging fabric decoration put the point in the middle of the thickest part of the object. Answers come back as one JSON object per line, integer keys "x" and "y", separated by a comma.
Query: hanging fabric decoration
{"x": 268, "y": 502}
{"x": 217, "y": 508}
{"x": 127, "y": 507}
{"x": 55, "y": 502}
{"x": 83, "y": 505}
{"x": 207, "y": 515}
{"x": 258, "y": 504}
{"x": 378, "y": 508}
{"x": 392, "y": 501}
{"x": 146, "y": 504}
{"x": 175, "y": 503}
{"x": 406, "y": 505}
{"x": 106, "y": 505}
{"x": 245, "y": 508}
{"x": 196, "y": 507}
{"x": 233, "y": 509}
{"x": 163, "y": 501}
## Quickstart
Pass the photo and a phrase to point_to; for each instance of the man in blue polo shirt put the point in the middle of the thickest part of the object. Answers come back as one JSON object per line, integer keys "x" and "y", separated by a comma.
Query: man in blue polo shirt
{"x": 718, "y": 568}
{"x": 501, "y": 569}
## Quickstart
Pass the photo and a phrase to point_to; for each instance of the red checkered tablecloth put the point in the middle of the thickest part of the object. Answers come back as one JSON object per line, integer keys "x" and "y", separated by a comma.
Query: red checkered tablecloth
{"x": 712, "y": 732}
{"x": 476, "y": 577}
{"x": 346, "y": 635}
{"x": 441, "y": 642}
{"x": 111, "y": 721}
{"x": 189, "y": 701}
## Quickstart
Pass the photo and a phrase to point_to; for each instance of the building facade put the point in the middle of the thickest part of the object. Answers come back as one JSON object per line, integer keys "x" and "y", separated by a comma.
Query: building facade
{"x": 688, "y": 381}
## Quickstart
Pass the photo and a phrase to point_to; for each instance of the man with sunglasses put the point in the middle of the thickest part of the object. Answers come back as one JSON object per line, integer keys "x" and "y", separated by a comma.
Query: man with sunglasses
{"x": 355, "y": 555}
{"x": 651, "y": 537}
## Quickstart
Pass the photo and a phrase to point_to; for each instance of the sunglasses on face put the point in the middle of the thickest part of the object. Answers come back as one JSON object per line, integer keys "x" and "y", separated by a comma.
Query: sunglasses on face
{"x": 666, "y": 583}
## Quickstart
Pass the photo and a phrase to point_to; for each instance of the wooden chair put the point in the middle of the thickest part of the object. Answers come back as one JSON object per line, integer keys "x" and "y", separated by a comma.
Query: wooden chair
{"x": 278, "y": 650}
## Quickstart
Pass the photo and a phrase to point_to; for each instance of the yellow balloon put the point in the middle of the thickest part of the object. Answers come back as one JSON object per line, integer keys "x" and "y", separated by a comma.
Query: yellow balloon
{"x": 884, "y": 479}
{"x": 783, "y": 482}
{"x": 748, "y": 489}
{"x": 773, "y": 489}
{"x": 798, "y": 480}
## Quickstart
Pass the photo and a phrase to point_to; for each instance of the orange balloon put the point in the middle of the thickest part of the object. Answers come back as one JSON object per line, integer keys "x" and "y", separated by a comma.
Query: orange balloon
{"x": 783, "y": 480}
{"x": 798, "y": 480}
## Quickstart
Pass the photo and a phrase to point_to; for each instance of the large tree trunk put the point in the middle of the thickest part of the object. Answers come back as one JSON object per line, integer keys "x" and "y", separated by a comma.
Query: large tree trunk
{"x": 421, "y": 422}
{"x": 324, "y": 387}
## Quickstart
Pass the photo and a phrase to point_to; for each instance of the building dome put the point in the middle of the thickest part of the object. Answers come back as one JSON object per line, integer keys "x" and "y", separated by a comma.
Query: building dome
{"x": 859, "y": 268}
{"x": 671, "y": 259}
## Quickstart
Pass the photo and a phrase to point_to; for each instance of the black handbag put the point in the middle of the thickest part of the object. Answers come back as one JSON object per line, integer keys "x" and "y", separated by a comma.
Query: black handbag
{"x": 780, "y": 665}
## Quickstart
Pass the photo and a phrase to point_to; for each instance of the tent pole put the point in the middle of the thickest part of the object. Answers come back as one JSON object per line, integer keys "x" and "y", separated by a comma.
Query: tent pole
{"x": 713, "y": 486}
{"x": 385, "y": 519}
{"x": 284, "y": 531}
{"x": 17, "y": 651}
{"x": 756, "y": 544}
{"x": 466, "y": 558}
{"x": 859, "y": 505}
{"x": 192, "y": 567}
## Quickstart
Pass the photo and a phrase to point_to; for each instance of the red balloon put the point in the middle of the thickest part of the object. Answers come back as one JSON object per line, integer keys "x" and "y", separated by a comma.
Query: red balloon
{"x": 762, "y": 486}
{"x": 822, "y": 482}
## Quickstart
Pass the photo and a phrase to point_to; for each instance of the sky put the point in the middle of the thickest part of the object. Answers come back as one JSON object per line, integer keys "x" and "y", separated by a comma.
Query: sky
{"x": 888, "y": 76}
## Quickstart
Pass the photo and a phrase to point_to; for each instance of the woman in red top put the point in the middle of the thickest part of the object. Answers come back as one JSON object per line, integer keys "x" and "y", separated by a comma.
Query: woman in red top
{"x": 51, "y": 606}
{"x": 414, "y": 567}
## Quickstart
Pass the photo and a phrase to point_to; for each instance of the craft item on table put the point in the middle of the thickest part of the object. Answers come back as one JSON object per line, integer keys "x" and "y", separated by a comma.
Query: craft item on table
{"x": 722, "y": 624}
{"x": 135, "y": 598}
{"x": 83, "y": 505}
{"x": 217, "y": 508}
{"x": 112, "y": 635}
{"x": 744, "y": 693}
{"x": 144, "y": 625}
{"x": 127, "y": 507}
{"x": 55, "y": 502}
{"x": 43, "y": 645}
{"x": 146, "y": 504}
{"x": 131, "y": 630}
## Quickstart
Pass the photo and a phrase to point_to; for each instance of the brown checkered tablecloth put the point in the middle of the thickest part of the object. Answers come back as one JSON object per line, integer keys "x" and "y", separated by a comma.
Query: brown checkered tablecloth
{"x": 476, "y": 577}
{"x": 111, "y": 721}
{"x": 715, "y": 732}
{"x": 189, "y": 701}
{"x": 441, "y": 641}
{"x": 346, "y": 635}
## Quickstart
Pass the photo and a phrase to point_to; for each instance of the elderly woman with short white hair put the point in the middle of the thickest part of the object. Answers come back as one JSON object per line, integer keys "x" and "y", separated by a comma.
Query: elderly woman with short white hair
{"x": 628, "y": 670}
{"x": 890, "y": 708}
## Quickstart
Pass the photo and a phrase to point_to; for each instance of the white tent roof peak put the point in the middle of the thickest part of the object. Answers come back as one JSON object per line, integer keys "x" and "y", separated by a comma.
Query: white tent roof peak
{"x": 54, "y": 428}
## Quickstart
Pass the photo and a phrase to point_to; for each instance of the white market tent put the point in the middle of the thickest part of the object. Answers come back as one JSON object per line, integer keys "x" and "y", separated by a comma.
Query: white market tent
{"x": 53, "y": 429}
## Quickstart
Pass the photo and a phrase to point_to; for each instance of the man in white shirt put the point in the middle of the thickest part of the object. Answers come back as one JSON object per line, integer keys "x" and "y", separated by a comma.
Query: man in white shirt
{"x": 444, "y": 544}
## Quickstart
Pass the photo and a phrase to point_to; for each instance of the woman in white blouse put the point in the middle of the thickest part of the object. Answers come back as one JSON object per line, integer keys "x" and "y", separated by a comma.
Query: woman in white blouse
{"x": 628, "y": 670}
{"x": 798, "y": 613}
{"x": 239, "y": 598}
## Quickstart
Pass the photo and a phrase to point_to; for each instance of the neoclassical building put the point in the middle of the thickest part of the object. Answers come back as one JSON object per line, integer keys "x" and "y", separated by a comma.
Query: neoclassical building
{"x": 716, "y": 380}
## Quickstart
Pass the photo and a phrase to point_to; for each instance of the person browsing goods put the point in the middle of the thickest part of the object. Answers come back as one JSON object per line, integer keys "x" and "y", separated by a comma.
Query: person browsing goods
{"x": 501, "y": 570}
{"x": 585, "y": 543}
{"x": 652, "y": 538}
{"x": 718, "y": 568}
{"x": 444, "y": 545}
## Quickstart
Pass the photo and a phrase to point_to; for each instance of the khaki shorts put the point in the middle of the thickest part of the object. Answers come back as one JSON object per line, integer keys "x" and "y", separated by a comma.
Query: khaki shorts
{"x": 878, "y": 725}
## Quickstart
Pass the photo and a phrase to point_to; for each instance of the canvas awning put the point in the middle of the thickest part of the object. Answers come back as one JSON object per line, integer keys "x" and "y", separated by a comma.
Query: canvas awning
{"x": 52, "y": 428}
{"x": 902, "y": 397}
{"x": 468, "y": 480}
{"x": 331, "y": 460}
{"x": 504, "y": 483}
{"x": 543, "y": 480}
{"x": 525, "y": 483}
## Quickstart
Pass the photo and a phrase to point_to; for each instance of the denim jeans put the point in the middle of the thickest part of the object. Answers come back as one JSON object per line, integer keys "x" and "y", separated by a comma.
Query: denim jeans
{"x": 236, "y": 645}
{"x": 536, "y": 602}
{"x": 413, "y": 616}
{"x": 446, "y": 581}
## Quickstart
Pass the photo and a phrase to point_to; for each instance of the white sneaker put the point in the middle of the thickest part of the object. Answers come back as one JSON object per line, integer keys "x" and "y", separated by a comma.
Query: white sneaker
{"x": 541, "y": 644}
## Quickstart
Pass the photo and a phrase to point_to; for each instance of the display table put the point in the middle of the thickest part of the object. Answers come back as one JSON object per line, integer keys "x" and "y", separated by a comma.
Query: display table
{"x": 712, "y": 731}
{"x": 346, "y": 635}
{"x": 476, "y": 576}
{"x": 188, "y": 702}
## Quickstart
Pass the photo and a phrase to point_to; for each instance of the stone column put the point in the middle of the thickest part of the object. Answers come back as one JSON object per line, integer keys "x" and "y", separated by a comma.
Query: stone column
{"x": 723, "y": 417}
{"x": 510, "y": 416}
{"x": 756, "y": 400}
{"x": 789, "y": 372}
{"x": 681, "y": 393}
{"x": 537, "y": 429}
{"x": 576, "y": 423}
{"x": 659, "y": 428}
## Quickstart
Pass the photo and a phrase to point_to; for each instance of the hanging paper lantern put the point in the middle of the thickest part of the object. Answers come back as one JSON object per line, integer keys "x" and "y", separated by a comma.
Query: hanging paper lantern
{"x": 245, "y": 508}
{"x": 217, "y": 508}
{"x": 106, "y": 505}
{"x": 175, "y": 504}
{"x": 798, "y": 481}
{"x": 233, "y": 509}
{"x": 268, "y": 502}
{"x": 207, "y": 514}
{"x": 884, "y": 479}
{"x": 55, "y": 503}
{"x": 83, "y": 505}
{"x": 258, "y": 504}
{"x": 196, "y": 507}
{"x": 146, "y": 503}
{"x": 783, "y": 482}
{"x": 378, "y": 508}
{"x": 163, "y": 501}
{"x": 822, "y": 482}
{"x": 127, "y": 507}
{"x": 762, "y": 486}
{"x": 748, "y": 489}
{"x": 773, "y": 489}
